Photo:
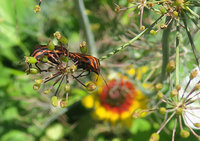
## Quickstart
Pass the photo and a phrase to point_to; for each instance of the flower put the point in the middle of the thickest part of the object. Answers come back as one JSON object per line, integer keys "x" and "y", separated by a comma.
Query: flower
{"x": 116, "y": 101}
{"x": 183, "y": 103}
{"x": 190, "y": 95}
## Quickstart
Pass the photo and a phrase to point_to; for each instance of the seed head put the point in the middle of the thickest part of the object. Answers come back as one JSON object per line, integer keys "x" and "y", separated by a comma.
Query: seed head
{"x": 90, "y": 86}
{"x": 184, "y": 133}
{"x": 54, "y": 101}
{"x": 154, "y": 137}
{"x": 50, "y": 45}
{"x": 83, "y": 47}
{"x": 37, "y": 8}
{"x": 170, "y": 66}
{"x": 193, "y": 74}
{"x": 31, "y": 60}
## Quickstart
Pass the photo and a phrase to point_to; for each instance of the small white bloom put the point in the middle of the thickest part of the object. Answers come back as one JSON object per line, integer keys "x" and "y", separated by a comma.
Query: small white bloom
{"x": 190, "y": 97}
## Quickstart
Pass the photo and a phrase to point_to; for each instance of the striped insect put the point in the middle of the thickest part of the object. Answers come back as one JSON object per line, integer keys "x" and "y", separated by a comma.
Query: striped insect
{"x": 86, "y": 62}
{"x": 42, "y": 50}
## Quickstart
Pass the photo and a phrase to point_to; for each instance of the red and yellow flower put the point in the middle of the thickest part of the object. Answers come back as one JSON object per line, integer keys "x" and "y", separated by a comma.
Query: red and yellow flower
{"x": 116, "y": 101}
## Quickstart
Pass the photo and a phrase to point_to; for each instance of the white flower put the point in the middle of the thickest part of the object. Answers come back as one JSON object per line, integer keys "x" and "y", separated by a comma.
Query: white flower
{"x": 191, "y": 99}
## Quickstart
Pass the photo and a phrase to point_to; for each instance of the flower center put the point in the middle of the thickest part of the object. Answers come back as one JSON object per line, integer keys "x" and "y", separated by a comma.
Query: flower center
{"x": 118, "y": 96}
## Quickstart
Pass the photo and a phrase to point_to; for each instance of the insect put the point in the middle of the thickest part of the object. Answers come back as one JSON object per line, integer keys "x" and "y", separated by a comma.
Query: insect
{"x": 86, "y": 62}
{"x": 52, "y": 55}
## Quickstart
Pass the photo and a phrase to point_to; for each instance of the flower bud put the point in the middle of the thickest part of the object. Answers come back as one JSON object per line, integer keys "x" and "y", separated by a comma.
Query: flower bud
{"x": 36, "y": 8}
{"x": 162, "y": 110}
{"x": 117, "y": 8}
{"x": 83, "y": 47}
{"x": 60, "y": 38}
{"x": 179, "y": 111}
{"x": 162, "y": 10}
{"x": 163, "y": 26}
{"x": 197, "y": 125}
{"x": 173, "y": 93}
{"x": 73, "y": 68}
{"x": 34, "y": 70}
{"x": 184, "y": 133}
{"x": 151, "y": 4}
{"x": 170, "y": 66}
{"x": 36, "y": 86}
{"x": 152, "y": 32}
{"x": 142, "y": 28}
{"x": 158, "y": 86}
{"x": 197, "y": 87}
{"x": 154, "y": 137}
{"x": 50, "y": 45}
{"x": 175, "y": 13}
{"x": 63, "y": 103}
{"x": 38, "y": 81}
{"x": 67, "y": 87}
{"x": 54, "y": 101}
{"x": 44, "y": 59}
{"x": 160, "y": 95}
{"x": 179, "y": 2}
{"x": 193, "y": 74}
{"x": 178, "y": 87}
{"x": 90, "y": 86}
{"x": 47, "y": 91}
{"x": 31, "y": 60}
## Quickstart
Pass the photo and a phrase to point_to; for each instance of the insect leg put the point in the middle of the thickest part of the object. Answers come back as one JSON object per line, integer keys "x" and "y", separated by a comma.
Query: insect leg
{"x": 36, "y": 64}
{"x": 78, "y": 81}
{"x": 62, "y": 77}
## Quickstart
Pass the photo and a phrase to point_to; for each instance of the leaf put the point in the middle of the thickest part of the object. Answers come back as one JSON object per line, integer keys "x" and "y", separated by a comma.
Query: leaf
{"x": 16, "y": 135}
{"x": 140, "y": 125}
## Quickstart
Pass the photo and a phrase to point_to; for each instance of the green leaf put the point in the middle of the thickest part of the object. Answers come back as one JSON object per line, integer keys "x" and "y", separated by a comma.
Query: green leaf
{"x": 140, "y": 125}
{"x": 11, "y": 113}
{"x": 16, "y": 135}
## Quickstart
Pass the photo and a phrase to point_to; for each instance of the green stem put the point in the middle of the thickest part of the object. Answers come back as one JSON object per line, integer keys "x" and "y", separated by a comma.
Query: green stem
{"x": 131, "y": 41}
{"x": 86, "y": 26}
{"x": 193, "y": 19}
{"x": 193, "y": 13}
{"x": 177, "y": 52}
{"x": 190, "y": 39}
{"x": 165, "y": 49}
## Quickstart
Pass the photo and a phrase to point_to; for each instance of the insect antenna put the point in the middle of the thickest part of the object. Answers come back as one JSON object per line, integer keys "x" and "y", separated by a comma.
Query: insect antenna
{"x": 103, "y": 79}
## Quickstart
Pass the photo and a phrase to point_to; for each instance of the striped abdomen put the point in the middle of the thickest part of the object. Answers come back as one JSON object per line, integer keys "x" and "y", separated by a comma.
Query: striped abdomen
{"x": 86, "y": 62}
{"x": 52, "y": 55}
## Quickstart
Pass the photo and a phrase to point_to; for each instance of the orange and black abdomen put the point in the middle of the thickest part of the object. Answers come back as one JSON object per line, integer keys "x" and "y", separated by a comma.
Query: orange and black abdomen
{"x": 86, "y": 62}
{"x": 43, "y": 50}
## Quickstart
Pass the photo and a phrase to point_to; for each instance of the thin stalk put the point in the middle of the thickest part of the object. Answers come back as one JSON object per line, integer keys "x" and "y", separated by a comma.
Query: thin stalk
{"x": 177, "y": 53}
{"x": 191, "y": 40}
{"x": 86, "y": 27}
{"x": 165, "y": 48}
{"x": 131, "y": 41}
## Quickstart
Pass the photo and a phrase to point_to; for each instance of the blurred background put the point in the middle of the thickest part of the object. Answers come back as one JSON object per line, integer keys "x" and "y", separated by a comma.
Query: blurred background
{"x": 27, "y": 115}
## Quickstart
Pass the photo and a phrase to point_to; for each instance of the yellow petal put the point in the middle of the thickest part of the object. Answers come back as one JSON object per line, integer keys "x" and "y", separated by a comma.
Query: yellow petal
{"x": 125, "y": 115}
{"x": 88, "y": 101}
{"x": 100, "y": 112}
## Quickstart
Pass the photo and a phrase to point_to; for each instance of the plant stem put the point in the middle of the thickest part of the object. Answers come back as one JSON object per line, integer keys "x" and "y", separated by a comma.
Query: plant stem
{"x": 86, "y": 26}
{"x": 165, "y": 49}
{"x": 177, "y": 52}
{"x": 131, "y": 41}
{"x": 190, "y": 39}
